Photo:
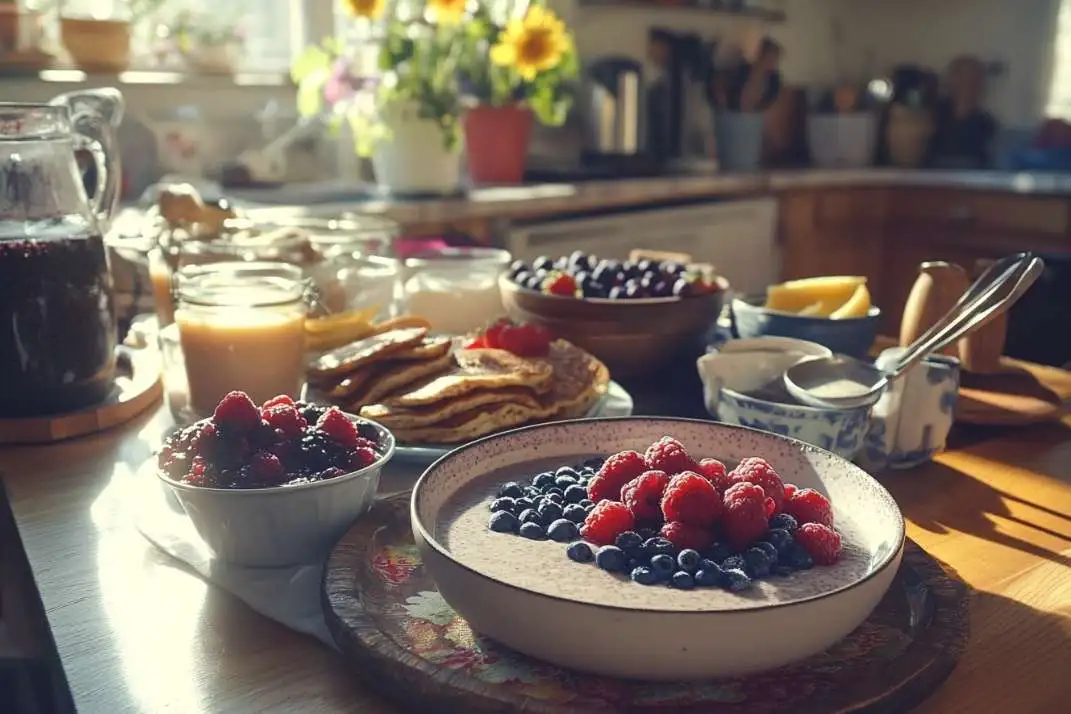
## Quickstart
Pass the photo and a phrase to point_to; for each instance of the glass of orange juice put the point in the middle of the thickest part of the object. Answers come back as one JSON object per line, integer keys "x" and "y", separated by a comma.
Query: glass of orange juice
{"x": 241, "y": 326}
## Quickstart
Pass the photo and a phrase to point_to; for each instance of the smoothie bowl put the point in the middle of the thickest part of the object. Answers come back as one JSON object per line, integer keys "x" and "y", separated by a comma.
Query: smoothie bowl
{"x": 274, "y": 485}
{"x": 559, "y": 540}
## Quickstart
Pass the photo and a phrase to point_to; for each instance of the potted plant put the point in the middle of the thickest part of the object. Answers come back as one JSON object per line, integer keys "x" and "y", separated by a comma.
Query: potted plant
{"x": 208, "y": 44}
{"x": 511, "y": 72}
{"x": 104, "y": 45}
{"x": 404, "y": 111}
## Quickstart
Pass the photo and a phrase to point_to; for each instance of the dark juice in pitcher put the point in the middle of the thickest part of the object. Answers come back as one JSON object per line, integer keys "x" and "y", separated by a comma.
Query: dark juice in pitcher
{"x": 57, "y": 318}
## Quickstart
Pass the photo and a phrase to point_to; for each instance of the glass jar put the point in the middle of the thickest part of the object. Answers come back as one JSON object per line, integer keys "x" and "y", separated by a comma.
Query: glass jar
{"x": 241, "y": 326}
{"x": 456, "y": 289}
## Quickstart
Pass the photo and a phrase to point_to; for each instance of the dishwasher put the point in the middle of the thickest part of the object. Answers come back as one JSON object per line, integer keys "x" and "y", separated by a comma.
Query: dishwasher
{"x": 737, "y": 236}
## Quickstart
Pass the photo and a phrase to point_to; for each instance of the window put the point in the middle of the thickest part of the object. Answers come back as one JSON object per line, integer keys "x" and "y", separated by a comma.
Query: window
{"x": 1059, "y": 104}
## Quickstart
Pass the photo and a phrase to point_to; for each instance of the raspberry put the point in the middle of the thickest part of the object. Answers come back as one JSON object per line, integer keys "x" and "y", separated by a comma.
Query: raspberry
{"x": 820, "y": 541}
{"x": 339, "y": 428}
{"x": 809, "y": 506}
{"x": 745, "y": 518}
{"x": 770, "y": 506}
{"x": 790, "y": 488}
{"x": 237, "y": 411}
{"x": 560, "y": 284}
{"x": 691, "y": 499}
{"x": 643, "y": 495}
{"x": 277, "y": 401}
{"x": 525, "y": 340}
{"x": 714, "y": 471}
{"x": 618, "y": 470}
{"x": 362, "y": 456}
{"x": 492, "y": 335}
{"x": 667, "y": 454}
{"x": 286, "y": 419}
{"x": 266, "y": 466}
{"x": 758, "y": 471}
{"x": 606, "y": 522}
{"x": 684, "y": 535}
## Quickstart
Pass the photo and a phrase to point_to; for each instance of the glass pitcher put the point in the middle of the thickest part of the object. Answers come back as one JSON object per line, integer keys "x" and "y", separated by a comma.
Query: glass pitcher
{"x": 57, "y": 314}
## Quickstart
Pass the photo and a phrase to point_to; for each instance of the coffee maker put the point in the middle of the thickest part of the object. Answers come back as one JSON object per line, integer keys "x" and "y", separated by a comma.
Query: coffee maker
{"x": 613, "y": 108}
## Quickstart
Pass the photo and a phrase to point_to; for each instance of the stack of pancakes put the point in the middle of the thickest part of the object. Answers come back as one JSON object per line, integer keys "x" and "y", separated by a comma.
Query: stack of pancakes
{"x": 424, "y": 391}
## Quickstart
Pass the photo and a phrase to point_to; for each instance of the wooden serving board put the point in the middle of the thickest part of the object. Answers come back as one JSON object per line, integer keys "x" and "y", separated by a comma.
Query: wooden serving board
{"x": 137, "y": 387}
{"x": 394, "y": 628}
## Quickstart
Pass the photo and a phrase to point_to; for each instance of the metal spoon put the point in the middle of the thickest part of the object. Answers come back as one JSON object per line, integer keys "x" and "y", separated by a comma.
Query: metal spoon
{"x": 842, "y": 382}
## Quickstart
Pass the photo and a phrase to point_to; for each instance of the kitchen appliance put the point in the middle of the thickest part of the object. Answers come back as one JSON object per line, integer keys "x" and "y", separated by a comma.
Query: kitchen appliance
{"x": 737, "y": 237}
{"x": 614, "y": 112}
{"x": 679, "y": 110}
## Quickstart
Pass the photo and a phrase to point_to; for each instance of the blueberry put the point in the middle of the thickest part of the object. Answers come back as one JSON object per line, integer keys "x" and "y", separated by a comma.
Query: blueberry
{"x": 542, "y": 263}
{"x": 534, "y": 531}
{"x": 629, "y": 542}
{"x": 718, "y": 552}
{"x": 549, "y": 511}
{"x": 511, "y": 489}
{"x": 688, "y": 560}
{"x": 555, "y": 498}
{"x": 634, "y": 563}
{"x": 611, "y": 559}
{"x": 616, "y": 293}
{"x": 580, "y": 552}
{"x": 532, "y": 492}
{"x": 800, "y": 559}
{"x": 543, "y": 480}
{"x": 733, "y": 562}
{"x": 564, "y": 482}
{"x": 562, "y": 530}
{"x": 660, "y": 546}
{"x": 709, "y": 575}
{"x": 588, "y": 507}
{"x": 736, "y": 580}
{"x": 534, "y": 282}
{"x": 782, "y": 571}
{"x": 682, "y": 288}
{"x": 785, "y": 522}
{"x": 522, "y": 277}
{"x": 504, "y": 504}
{"x": 646, "y": 533}
{"x": 503, "y": 522}
{"x": 554, "y": 489}
{"x": 594, "y": 463}
{"x": 758, "y": 562}
{"x": 523, "y": 503}
{"x": 587, "y": 503}
{"x": 575, "y": 494}
{"x": 529, "y": 515}
{"x": 780, "y": 539}
{"x": 643, "y": 575}
{"x": 682, "y": 580}
{"x": 663, "y": 565}
{"x": 567, "y": 472}
{"x": 517, "y": 266}
{"x": 768, "y": 548}
{"x": 574, "y": 513}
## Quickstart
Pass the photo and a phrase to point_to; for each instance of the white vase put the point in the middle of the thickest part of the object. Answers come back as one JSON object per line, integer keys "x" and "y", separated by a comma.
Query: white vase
{"x": 414, "y": 158}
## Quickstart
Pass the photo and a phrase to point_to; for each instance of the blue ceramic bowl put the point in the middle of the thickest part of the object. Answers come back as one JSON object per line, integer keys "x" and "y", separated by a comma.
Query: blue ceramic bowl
{"x": 853, "y": 336}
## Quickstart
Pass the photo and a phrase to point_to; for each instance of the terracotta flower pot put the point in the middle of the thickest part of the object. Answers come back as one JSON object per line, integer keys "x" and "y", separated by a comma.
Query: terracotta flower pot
{"x": 496, "y": 140}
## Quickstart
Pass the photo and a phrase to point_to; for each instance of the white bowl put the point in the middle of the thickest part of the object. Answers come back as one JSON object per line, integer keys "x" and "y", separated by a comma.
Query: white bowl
{"x": 528, "y": 596}
{"x": 283, "y": 525}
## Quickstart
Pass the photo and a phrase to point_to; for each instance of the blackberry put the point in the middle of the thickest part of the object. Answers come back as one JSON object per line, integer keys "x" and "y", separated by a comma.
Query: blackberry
{"x": 312, "y": 413}
{"x": 736, "y": 580}
{"x": 543, "y": 480}
{"x": 643, "y": 575}
{"x": 733, "y": 562}
{"x": 529, "y": 515}
{"x": 319, "y": 451}
{"x": 768, "y": 548}
{"x": 682, "y": 580}
{"x": 611, "y": 559}
{"x": 659, "y": 546}
{"x": 784, "y": 521}
{"x": 709, "y": 575}
{"x": 555, "y": 497}
{"x": 580, "y": 552}
{"x": 780, "y": 539}
{"x": 368, "y": 431}
{"x": 688, "y": 560}
{"x": 575, "y": 494}
{"x": 503, "y": 522}
{"x": 533, "y": 531}
{"x": 574, "y": 513}
{"x": 562, "y": 530}
{"x": 504, "y": 504}
{"x": 663, "y": 565}
{"x": 757, "y": 562}
{"x": 510, "y": 489}
{"x": 629, "y": 542}
{"x": 718, "y": 552}
{"x": 549, "y": 511}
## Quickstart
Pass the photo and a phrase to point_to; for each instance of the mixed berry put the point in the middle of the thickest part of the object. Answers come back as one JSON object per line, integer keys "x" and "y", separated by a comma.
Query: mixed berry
{"x": 580, "y": 275}
{"x": 522, "y": 339}
{"x": 280, "y": 443}
{"x": 664, "y": 517}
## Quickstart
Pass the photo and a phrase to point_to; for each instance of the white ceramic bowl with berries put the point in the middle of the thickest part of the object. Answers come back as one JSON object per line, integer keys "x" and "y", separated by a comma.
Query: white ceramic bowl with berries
{"x": 275, "y": 485}
{"x": 710, "y": 551}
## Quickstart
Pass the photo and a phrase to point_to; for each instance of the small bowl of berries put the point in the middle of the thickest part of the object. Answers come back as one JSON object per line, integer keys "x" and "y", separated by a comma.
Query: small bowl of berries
{"x": 277, "y": 484}
{"x": 634, "y": 315}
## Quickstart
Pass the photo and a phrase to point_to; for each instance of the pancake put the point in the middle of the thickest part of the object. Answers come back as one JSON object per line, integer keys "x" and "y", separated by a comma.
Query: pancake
{"x": 350, "y": 385}
{"x": 467, "y": 426}
{"x": 425, "y": 416}
{"x": 389, "y": 377}
{"x": 429, "y": 348}
{"x": 477, "y": 369}
{"x": 355, "y": 355}
{"x": 579, "y": 381}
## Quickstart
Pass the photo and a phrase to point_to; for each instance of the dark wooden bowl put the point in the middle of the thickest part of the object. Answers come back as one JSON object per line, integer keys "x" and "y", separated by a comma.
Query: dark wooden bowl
{"x": 632, "y": 337}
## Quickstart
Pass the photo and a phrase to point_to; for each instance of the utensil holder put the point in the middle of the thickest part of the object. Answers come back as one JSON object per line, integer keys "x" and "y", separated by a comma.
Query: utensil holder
{"x": 738, "y": 137}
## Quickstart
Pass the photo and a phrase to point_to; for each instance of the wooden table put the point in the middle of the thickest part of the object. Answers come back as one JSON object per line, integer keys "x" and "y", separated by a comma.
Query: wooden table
{"x": 135, "y": 632}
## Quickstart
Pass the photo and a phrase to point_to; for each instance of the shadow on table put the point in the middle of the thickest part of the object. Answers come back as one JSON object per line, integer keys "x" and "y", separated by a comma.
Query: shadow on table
{"x": 971, "y": 509}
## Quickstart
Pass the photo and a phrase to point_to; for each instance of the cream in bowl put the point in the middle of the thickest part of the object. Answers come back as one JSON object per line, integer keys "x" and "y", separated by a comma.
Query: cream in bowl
{"x": 612, "y": 623}
{"x": 275, "y": 484}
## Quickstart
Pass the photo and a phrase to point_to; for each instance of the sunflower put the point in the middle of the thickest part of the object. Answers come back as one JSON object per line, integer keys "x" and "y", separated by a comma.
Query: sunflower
{"x": 448, "y": 12}
{"x": 368, "y": 9}
{"x": 532, "y": 44}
